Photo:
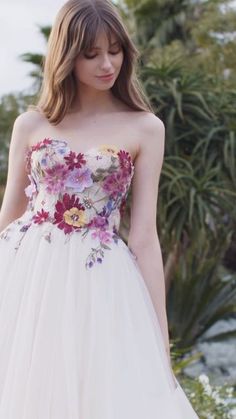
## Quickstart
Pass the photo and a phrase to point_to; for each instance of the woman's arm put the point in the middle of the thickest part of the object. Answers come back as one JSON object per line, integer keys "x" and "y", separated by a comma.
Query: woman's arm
{"x": 14, "y": 200}
{"x": 143, "y": 237}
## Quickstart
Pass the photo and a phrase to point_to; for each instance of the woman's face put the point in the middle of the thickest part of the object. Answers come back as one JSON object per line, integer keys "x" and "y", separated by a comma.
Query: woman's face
{"x": 103, "y": 59}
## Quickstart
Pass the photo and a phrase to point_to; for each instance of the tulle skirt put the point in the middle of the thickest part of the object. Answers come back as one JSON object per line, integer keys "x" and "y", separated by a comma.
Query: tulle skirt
{"x": 78, "y": 343}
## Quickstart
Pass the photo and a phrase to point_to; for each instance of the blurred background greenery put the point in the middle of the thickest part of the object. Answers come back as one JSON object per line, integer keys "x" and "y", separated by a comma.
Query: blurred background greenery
{"x": 188, "y": 69}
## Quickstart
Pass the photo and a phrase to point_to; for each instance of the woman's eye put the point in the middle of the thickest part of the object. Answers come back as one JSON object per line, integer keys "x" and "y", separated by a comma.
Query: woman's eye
{"x": 89, "y": 56}
{"x": 93, "y": 56}
{"x": 116, "y": 52}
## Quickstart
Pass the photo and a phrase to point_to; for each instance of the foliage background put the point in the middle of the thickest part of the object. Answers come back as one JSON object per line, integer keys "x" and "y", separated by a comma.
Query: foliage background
{"x": 188, "y": 68}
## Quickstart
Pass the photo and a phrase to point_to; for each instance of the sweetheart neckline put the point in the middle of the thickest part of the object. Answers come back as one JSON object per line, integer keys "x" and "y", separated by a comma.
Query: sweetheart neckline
{"x": 30, "y": 147}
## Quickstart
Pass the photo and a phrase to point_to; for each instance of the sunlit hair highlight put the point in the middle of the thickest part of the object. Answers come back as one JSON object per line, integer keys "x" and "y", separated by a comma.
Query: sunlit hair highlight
{"x": 75, "y": 29}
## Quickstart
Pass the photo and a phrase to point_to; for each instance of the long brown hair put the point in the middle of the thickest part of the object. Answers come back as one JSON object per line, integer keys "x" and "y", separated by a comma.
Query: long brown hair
{"x": 75, "y": 29}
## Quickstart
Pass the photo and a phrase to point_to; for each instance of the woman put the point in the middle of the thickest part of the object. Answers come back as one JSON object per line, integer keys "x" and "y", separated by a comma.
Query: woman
{"x": 83, "y": 327}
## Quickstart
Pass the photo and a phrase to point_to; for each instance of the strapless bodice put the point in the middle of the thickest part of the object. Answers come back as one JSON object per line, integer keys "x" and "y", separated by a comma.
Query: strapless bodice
{"x": 76, "y": 190}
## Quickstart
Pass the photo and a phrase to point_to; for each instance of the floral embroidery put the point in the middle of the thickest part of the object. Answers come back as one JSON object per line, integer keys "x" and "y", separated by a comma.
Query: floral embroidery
{"x": 24, "y": 230}
{"x": 5, "y": 234}
{"x": 77, "y": 192}
{"x": 108, "y": 150}
{"x": 38, "y": 146}
{"x": 125, "y": 162}
{"x": 114, "y": 184}
{"x": 70, "y": 214}
{"x": 79, "y": 179}
{"x": 40, "y": 216}
{"x": 74, "y": 161}
{"x": 31, "y": 189}
{"x": 55, "y": 178}
{"x": 98, "y": 253}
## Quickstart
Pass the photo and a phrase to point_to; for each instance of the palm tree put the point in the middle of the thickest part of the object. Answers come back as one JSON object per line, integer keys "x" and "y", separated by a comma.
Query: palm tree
{"x": 37, "y": 60}
{"x": 160, "y": 22}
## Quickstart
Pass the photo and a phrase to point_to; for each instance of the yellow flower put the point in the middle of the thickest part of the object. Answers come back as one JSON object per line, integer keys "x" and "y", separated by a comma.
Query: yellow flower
{"x": 75, "y": 217}
{"x": 109, "y": 149}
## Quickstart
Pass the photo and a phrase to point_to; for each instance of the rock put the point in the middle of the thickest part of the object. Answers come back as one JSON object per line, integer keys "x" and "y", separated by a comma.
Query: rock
{"x": 218, "y": 359}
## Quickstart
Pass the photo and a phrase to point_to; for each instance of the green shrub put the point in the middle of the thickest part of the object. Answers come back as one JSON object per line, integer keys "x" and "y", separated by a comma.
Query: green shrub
{"x": 210, "y": 402}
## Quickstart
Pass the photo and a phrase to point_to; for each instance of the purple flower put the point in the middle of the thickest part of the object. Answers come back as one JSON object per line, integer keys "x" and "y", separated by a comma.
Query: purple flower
{"x": 79, "y": 179}
{"x": 25, "y": 227}
{"x": 98, "y": 221}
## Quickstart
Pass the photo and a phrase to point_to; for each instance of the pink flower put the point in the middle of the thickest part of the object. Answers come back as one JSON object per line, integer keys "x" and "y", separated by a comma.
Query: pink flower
{"x": 41, "y": 144}
{"x": 55, "y": 178}
{"x": 34, "y": 147}
{"x": 40, "y": 216}
{"x": 125, "y": 161}
{"x": 103, "y": 235}
{"x": 74, "y": 161}
{"x": 115, "y": 183}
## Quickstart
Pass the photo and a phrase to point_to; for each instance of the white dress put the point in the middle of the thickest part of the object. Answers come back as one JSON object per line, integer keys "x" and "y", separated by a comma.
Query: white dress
{"x": 79, "y": 338}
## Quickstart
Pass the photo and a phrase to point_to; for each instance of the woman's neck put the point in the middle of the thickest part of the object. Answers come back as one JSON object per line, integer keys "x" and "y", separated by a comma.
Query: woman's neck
{"x": 91, "y": 102}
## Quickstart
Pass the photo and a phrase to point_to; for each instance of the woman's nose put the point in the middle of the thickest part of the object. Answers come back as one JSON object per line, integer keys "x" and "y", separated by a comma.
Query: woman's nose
{"x": 106, "y": 62}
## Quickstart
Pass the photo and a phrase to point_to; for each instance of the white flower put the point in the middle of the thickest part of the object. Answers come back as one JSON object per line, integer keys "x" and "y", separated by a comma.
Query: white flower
{"x": 203, "y": 379}
{"x": 229, "y": 391}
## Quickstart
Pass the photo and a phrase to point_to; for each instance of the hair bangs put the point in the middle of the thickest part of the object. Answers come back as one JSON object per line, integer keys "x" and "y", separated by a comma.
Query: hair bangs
{"x": 77, "y": 27}
{"x": 94, "y": 28}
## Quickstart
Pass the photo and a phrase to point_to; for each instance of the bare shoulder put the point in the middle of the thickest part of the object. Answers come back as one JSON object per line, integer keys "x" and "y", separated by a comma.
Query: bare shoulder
{"x": 21, "y": 131}
{"x": 26, "y": 122}
{"x": 23, "y": 128}
{"x": 151, "y": 132}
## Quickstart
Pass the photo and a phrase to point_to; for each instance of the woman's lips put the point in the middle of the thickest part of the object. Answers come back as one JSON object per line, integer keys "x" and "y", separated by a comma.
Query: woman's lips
{"x": 107, "y": 77}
